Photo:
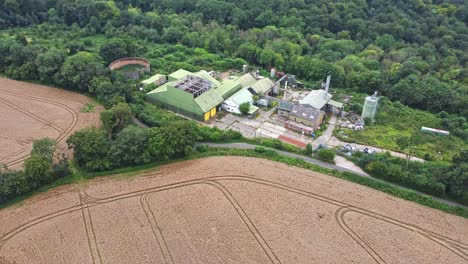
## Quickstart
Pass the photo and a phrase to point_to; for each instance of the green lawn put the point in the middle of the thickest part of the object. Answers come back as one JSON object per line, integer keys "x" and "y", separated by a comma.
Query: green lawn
{"x": 394, "y": 121}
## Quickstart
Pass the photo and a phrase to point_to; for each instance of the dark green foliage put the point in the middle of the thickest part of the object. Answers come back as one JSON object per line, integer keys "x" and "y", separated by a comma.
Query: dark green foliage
{"x": 244, "y": 108}
{"x": 44, "y": 148}
{"x": 172, "y": 141}
{"x": 214, "y": 134}
{"x": 79, "y": 69}
{"x": 91, "y": 148}
{"x": 153, "y": 116}
{"x": 130, "y": 147}
{"x": 114, "y": 49}
{"x": 38, "y": 170}
{"x": 116, "y": 118}
{"x": 308, "y": 149}
{"x": 327, "y": 155}
{"x": 433, "y": 178}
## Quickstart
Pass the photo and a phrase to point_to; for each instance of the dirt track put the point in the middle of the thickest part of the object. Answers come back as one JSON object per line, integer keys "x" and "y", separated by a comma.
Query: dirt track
{"x": 30, "y": 111}
{"x": 228, "y": 210}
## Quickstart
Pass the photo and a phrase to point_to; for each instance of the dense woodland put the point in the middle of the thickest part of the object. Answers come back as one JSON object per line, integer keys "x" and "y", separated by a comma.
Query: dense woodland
{"x": 414, "y": 52}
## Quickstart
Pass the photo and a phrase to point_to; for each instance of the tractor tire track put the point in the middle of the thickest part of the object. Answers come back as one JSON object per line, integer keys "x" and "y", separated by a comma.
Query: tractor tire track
{"x": 65, "y": 134}
{"x": 247, "y": 221}
{"x": 339, "y": 213}
{"x": 440, "y": 240}
{"x": 316, "y": 197}
{"x": 144, "y": 200}
{"x": 452, "y": 245}
{"x": 87, "y": 228}
{"x": 33, "y": 116}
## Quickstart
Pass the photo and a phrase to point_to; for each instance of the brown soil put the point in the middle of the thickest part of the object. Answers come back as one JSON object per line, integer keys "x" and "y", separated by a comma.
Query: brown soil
{"x": 228, "y": 210}
{"x": 30, "y": 111}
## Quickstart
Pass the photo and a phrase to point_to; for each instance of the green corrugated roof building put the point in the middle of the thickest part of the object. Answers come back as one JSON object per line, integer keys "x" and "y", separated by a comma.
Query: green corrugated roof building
{"x": 263, "y": 86}
{"x": 195, "y": 95}
{"x": 228, "y": 88}
{"x": 155, "y": 79}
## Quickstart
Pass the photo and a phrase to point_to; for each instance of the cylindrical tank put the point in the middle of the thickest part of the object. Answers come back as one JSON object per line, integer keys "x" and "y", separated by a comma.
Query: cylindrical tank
{"x": 370, "y": 106}
{"x": 272, "y": 73}
{"x": 245, "y": 68}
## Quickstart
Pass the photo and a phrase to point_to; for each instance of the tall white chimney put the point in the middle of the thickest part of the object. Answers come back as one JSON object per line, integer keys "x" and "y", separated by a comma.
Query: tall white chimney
{"x": 327, "y": 85}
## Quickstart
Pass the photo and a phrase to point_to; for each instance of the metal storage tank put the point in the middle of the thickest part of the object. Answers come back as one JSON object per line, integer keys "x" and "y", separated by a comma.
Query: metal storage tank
{"x": 370, "y": 106}
{"x": 245, "y": 68}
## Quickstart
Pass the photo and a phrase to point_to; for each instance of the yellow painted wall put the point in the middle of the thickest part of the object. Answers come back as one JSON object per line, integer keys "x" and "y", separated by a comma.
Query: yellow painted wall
{"x": 207, "y": 116}
{"x": 213, "y": 112}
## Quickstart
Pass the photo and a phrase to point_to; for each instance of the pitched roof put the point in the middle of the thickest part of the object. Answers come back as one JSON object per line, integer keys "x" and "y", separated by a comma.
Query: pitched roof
{"x": 263, "y": 85}
{"x": 228, "y": 88}
{"x": 179, "y": 74}
{"x": 316, "y": 99}
{"x": 285, "y": 105}
{"x": 241, "y": 97}
{"x": 246, "y": 80}
{"x": 163, "y": 88}
{"x": 152, "y": 79}
{"x": 307, "y": 113}
{"x": 209, "y": 99}
{"x": 205, "y": 75}
{"x": 335, "y": 103}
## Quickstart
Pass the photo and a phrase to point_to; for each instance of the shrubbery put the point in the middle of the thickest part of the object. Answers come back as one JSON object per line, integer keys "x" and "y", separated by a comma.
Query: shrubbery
{"x": 327, "y": 155}
{"x": 214, "y": 134}
{"x": 434, "y": 178}
{"x": 39, "y": 169}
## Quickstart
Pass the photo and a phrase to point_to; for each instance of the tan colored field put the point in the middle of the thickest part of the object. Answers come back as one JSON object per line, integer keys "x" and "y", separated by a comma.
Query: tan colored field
{"x": 29, "y": 111}
{"x": 228, "y": 210}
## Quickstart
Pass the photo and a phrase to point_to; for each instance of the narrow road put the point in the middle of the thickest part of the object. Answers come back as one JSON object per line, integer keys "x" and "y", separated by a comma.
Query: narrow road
{"x": 327, "y": 134}
{"x": 324, "y": 165}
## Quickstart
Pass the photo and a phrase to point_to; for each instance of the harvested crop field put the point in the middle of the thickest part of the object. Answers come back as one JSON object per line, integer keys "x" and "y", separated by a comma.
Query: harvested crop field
{"x": 30, "y": 111}
{"x": 228, "y": 210}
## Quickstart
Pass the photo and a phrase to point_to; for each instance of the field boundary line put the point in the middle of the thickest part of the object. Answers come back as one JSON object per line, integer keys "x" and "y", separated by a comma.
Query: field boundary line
{"x": 156, "y": 230}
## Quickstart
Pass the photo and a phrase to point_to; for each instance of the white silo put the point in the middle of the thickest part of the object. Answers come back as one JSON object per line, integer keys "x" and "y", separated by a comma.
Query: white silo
{"x": 370, "y": 106}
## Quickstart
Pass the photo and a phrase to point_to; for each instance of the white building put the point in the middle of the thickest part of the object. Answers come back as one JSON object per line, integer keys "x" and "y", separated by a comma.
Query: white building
{"x": 233, "y": 103}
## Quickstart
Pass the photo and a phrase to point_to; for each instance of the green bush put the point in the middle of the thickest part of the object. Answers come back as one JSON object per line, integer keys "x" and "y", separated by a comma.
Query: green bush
{"x": 214, "y": 134}
{"x": 326, "y": 155}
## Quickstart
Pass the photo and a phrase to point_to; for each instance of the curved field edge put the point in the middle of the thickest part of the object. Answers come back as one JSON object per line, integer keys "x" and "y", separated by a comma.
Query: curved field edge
{"x": 80, "y": 177}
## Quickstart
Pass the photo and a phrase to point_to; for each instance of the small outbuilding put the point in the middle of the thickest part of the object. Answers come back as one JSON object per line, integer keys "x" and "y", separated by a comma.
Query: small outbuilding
{"x": 233, "y": 103}
{"x": 435, "y": 131}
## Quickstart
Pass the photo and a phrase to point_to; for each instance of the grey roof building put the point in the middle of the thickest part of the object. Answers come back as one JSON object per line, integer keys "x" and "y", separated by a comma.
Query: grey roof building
{"x": 307, "y": 116}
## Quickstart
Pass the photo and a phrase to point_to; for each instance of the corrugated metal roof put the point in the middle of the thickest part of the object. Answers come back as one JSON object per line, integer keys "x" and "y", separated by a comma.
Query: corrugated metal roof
{"x": 262, "y": 86}
{"x": 316, "y": 99}
{"x": 335, "y": 103}
{"x": 252, "y": 109}
{"x": 163, "y": 88}
{"x": 205, "y": 75}
{"x": 208, "y": 100}
{"x": 152, "y": 79}
{"x": 246, "y": 80}
{"x": 241, "y": 97}
{"x": 179, "y": 74}
{"x": 228, "y": 87}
